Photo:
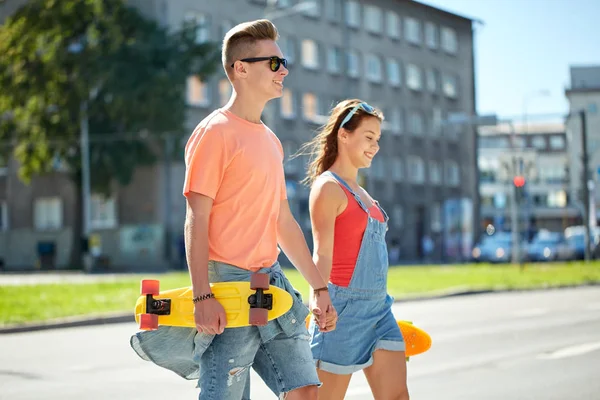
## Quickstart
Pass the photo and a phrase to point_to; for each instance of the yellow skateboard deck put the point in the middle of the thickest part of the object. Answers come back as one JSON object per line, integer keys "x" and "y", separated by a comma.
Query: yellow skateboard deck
{"x": 244, "y": 304}
{"x": 416, "y": 339}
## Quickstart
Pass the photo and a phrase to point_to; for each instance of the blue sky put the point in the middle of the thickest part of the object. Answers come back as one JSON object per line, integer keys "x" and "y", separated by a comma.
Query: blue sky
{"x": 526, "y": 46}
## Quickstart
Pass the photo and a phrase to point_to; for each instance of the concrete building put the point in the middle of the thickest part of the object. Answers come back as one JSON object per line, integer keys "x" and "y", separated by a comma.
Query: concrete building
{"x": 584, "y": 95}
{"x": 548, "y": 203}
{"x": 414, "y": 61}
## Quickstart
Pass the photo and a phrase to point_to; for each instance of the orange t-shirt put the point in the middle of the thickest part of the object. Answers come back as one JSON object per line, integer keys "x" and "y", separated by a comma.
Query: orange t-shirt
{"x": 239, "y": 164}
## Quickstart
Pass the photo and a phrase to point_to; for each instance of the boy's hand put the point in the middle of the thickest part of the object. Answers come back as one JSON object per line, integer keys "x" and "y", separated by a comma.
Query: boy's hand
{"x": 210, "y": 317}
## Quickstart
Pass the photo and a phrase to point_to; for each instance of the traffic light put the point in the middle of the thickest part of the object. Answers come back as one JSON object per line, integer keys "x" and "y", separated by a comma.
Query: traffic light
{"x": 519, "y": 183}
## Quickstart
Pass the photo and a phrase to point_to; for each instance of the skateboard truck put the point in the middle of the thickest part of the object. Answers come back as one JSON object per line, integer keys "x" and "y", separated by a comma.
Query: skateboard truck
{"x": 154, "y": 307}
{"x": 260, "y": 302}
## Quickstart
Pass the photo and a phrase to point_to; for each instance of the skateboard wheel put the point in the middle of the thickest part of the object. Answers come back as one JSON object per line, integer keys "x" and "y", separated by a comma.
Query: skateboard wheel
{"x": 150, "y": 286}
{"x": 259, "y": 281}
{"x": 259, "y": 316}
{"x": 148, "y": 322}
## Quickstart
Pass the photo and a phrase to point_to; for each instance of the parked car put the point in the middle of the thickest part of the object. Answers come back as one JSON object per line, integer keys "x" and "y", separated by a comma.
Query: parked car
{"x": 575, "y": 237}
{"x": 495, "y": 248}
{"x": 549, "y": 246}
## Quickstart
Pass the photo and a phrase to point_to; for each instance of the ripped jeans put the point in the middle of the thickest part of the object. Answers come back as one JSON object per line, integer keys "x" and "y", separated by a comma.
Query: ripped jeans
{"x": 279, "y": 352}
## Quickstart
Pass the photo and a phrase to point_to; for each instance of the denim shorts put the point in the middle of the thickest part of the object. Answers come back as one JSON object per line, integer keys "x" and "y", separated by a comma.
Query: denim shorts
{"x": 279, "y": 351}
{"x": 365, "y": 324}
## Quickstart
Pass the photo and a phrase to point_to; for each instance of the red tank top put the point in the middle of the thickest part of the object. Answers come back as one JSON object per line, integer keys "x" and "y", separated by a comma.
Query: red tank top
{"x": 349, "y": 229}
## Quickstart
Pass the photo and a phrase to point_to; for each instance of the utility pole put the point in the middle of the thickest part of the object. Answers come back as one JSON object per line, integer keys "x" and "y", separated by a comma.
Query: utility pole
{"x": 586, "y": 189}
{"x": 85, "y": 183}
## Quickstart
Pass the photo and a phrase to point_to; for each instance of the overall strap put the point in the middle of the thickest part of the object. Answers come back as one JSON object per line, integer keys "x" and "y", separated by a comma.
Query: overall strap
{"x": 344, "y": 184}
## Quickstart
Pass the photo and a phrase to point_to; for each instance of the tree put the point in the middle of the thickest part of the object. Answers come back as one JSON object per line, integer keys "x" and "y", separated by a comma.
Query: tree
{"x": 61, "y": 58}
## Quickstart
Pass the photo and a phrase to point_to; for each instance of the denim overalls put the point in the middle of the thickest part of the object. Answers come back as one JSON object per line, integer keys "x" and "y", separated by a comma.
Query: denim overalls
{"x": 365, "y": 319}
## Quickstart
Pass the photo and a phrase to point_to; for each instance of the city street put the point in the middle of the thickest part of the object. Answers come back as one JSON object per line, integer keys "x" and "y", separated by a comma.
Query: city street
{"x": 521, "y": 345}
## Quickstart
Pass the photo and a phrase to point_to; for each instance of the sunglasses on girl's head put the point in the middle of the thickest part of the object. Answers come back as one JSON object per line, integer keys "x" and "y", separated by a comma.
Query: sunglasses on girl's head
{"x": 274, "y": 62}
{"x": 363, "y": 106}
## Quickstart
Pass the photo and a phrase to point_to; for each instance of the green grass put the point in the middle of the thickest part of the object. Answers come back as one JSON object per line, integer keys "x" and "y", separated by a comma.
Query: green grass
{"x": 29, "y": 303}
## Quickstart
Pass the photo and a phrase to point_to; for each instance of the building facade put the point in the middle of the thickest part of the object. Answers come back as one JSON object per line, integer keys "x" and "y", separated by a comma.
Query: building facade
{"x": 413, "y": 61}
{"x": 584, "y": 96}
{"x": 548, "y": 203}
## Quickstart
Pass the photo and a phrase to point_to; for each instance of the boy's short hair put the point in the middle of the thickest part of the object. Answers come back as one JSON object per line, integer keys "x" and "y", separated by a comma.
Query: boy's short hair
{"x": 240, "y": 41}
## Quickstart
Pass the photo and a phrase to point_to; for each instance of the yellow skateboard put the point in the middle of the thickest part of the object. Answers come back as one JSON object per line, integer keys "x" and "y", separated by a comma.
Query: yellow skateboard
{"x": 416, "y": 339}
{"x": 245, "y": 303}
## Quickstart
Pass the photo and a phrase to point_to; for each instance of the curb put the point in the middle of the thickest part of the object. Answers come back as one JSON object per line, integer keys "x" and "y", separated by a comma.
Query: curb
{"x": 72, "y": 322}
{"x": 118, "y": 318}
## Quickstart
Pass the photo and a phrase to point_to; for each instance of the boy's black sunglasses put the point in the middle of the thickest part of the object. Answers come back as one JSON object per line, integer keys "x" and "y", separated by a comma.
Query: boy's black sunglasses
{"x": 274, "y": 64}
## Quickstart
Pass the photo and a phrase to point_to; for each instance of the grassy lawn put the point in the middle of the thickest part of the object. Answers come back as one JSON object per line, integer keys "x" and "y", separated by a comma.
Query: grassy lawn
{"x": 29, "y": 303}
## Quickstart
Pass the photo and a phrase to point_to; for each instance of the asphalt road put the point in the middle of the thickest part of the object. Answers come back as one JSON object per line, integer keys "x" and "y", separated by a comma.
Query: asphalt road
{"x": 519, "y": 345}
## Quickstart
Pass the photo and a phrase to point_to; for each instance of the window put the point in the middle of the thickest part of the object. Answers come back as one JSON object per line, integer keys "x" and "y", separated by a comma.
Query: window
{"x": 488, "y": 169}
{"x": 334, "y": 59}
{"x": 435, "y": 173}
{"x": 431, "y": 35}
{"x": 198, "y": 93}
{"x": 449, "y": 40}
{"x": 436, "y": 121}
{"x": 557, "y": 199}
{"x": 352, "y": 13}
{"x": 395, "y": 120}
{"x": 314, "y": 10}
{"x": 520, "y": 142}
{"x": 333, "y": 10}
{"x": 226, "y": 26}
{"x": 378, "y": 167}
{"x": 310, "y": 106}
{"x": 292, "y": 164}
{"x": 397, "y": 216}
{"x": 373, "y": 19}
{"x": 287, "y": 104}
{"x": 48, "y": 213}
{"x": 552, "y": 173}
{"x": 539, "y": 142}
{"x": 393, "y": 72}
{"x": 310, "y": 56}
{"x": 557, "y": 142}
{"x": 452, "y": 174}
{"x": 352, "y": 64}
{"x": 436, "y": 217}
{"x": 416, "y": 123}
{"x": 397, "y": 169}
{"x": 412, "y": 30}
{"x": 413, "y": 77}
{"x": 103, "y": 212}
{"x": 450, "y": 86}
{"x": 416, "y": 169}
{"x": 432, "y": 80}
{"x": 287, "y": 44}
{"x": 392, "y": 24}
{"x": 202, "y": 23}
{"x": 373, "y": 68}
{"x": 3, "y": 216}
{"x": 224, "y": 91}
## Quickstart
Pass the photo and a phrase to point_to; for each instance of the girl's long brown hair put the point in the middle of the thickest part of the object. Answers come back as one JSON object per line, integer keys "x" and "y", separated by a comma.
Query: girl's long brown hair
{"x": 323, "y": 148}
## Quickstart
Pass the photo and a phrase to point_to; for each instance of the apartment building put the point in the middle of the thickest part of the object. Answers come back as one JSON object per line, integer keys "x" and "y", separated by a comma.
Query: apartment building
{"x": 414, "y": 61}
